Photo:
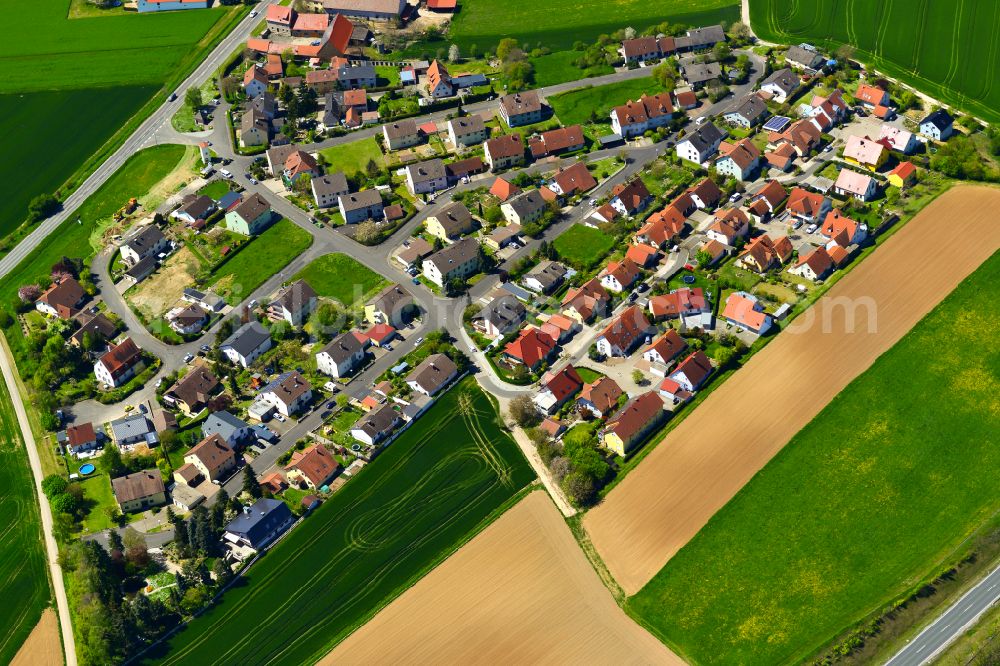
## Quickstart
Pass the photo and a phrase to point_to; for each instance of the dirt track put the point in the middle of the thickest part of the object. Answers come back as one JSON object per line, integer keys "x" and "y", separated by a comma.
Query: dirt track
{"x": 705, "y": 461}
{"x": 42, "y": 647}
{"x": 521, "y": 592}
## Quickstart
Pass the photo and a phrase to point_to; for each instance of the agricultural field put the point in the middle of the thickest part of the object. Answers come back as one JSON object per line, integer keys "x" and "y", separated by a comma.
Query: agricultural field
{"x": 105, "y": 69}
{"x": 485, "y": 22}
{"x": 582, "y": 246}
{"x": 263, "y": 257}
{"x": 406, "y": 511}
{"x": 873, "y": 495}
{"x": 342, "y": 278}
{"x": 581, "y": 105}
{"x": 24, "y": 580}
{"x": 353, "y": 157}
{"x": 946, "y": 50}
{"x": 705, "y": 460}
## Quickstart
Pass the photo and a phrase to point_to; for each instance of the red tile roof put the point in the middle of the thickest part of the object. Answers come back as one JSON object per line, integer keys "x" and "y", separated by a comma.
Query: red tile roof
{"x": 556, "y": 140}
{"x": 503, "y": 189}
{"x": 626, "y": 329}
{"x": 531, "y": 347}
{"x": 315, "y": 463}
{"x": 681, "y": 301}
{"x": 696, "y": 367}
{"x": 642, "y": 254}
{"x": 668, "y": 345}
{"x": 574, "y": 179}
{"x": 637, "y": 414}
{"x": 563, "y": 383}
{"x": 603, "y": 393}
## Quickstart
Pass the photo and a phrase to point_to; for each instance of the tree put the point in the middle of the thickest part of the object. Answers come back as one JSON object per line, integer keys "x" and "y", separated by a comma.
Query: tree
{"x": 29, "y": 293}
{"x": 579, "y": 487}
{"x": 64, "y": 503}
{"x": 560, "y": 467}
{"x": 638, "y": 377}
{"x": 136, "y": 553}
{"x": 665, "y": 76}
{"x": 229, "y": 86}
{"x": 367, "y": 233}
{"x": 53, "y": 485}
{"x": 193, "y": 97}
{"x": 506, "y": 46}
{"x": 721, "y": 51}
{"x": 223, "y": 574}
{"x": 845, "y": 53}
{"x": 42, "y": 206}
{"x": 281, "y": 330}
{"x": 630, "y": 33}
{"x": 454, "y": 54}
{"x": 523, "y": 411}
{"x": 111, "y": 462}
{"x": 115, "y": 543}
{"x": 250, "y": 484}
{"x": 703, "y": 257}
{"x": 740, "y": 31}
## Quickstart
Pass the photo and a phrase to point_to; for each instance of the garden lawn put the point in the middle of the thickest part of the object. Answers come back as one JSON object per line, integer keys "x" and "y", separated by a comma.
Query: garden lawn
{"x": 24, "y": 579}
{"x": 558, "y": 67}
{"x": 428, "y": 493}
{"x": 216, "y": 189}
{"x": 559, "y": 24}
{"x": 869, "y": 499}
{"x": 583, "y": 247}
{"x": 260, "y": 259}
{"x": 588, "y": 375}
{"x": 577, "y": 106}
{"x": 342, "y": 278}
{"x": 353, "y": 157}
{"x": 97, "y": 490}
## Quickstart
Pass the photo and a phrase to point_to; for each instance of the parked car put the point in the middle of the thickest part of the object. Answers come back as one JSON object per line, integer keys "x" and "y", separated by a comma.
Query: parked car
{"x": 811, "y": 229}
{"x": 205, "y": 348}
{"x": 188, "y": 358}
{"x": 643, "y": 288}
{"x": 280, "y": 418}
{"x": 420, "y": 339}
{"x": 796, "y": 224}
{"x": 172, "y": 97}
{"x": 416, "y": 281}
{"x": 226, "y": 173}
{"x": 736, "y": 197}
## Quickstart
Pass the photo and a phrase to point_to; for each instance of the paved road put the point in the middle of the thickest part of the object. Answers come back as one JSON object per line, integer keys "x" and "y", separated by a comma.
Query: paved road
{"x": 132, "y": 145}
{"x": 960, "y": 616}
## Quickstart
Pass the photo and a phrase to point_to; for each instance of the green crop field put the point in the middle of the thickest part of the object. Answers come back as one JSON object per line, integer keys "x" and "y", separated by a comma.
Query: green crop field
{"x": 341, "y": 277}
{"x": 874, "y": 495}
{"x": 24, "y": 581}
{"x": 406, "y": 511}
{"x": 558, "y": 25}
{"x": 68, "y": 85}
{"x": 576, "y": 106}
{"x": 263, "y": 257}
{"x": 945, "y": 49}
{"x": 582, "y": 246}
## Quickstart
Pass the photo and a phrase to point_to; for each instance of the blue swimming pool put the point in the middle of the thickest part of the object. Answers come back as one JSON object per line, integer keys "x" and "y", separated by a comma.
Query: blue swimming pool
{"x": 87, "y": 468}
{"x": 688, "y": 279}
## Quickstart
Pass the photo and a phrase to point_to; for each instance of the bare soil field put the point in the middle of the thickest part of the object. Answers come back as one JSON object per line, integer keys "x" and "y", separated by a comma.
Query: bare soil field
{"x": 521, "y": 592}
{"x": 160, "y": 291}
{"x": 42, "y": 647}
{"x": 704, "y": 461}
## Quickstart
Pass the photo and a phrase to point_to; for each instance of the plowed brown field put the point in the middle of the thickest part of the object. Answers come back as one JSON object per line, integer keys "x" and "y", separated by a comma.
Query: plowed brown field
{"x": 706, "y": 459}
{"x": 42, "y": 647}
{"x": 521, "y": 592}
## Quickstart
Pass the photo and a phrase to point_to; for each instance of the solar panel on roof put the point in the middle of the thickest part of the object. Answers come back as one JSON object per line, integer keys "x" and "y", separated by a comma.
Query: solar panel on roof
{"x": 777, "y": 124}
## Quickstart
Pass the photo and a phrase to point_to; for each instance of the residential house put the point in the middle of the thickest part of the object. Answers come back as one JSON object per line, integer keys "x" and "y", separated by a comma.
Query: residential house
{"x": 377, "y": 425}
{"x": 700, "y": 38}
{"x": 898, "y": 139}
{"x": 691, "y": 373}
{"x": 208, "y": 301}
{"x": 644, "y": 49}
{"x": 661, "y": 227}
{"x": 289, "y": 393}
{"x": 455, "y": 262}
{"x": 246, "y": 344}
{"x": 801, "y": 57}
{"x": 352, "y": 74}
{"x": 871, "y": 97}
{"x": 903, "y": 175}
{"x": 624, "y": 333}
{"x": 401, "y": 134}
{"x": 467, "y": 130}
{"x": 748, "y": 112}
{"x": 265, "y": 105}
{"x": 664, "y": 349}
{"x": 554, "y": 142}
{"x": 503, "y": 189}
{"x": 781, "y": 157}
{"x": 810, "y": 207}
{"x": 139, "y": 491}
{"x": 701, "y": 144}
{"x": 649, "y": 112}
{"x": 502, "y": 315}
{"x": 546, "y": 277}
{"x": 279, "y": 19}
{"x": 574, "y": 179}
{"x": 298, "y": 164}
{"x": 841, "y": 230}
{"x": 310, "y": 25}
{"x": 255, "y": 81}
{"x": 501, "y": 237}
{"x": 260, "y": 524}
{"x": 94, "y": 329}
{"x": 531, "y": 348}
{"x": 148, "y": 241}
{"x": 864, "y": 152}
{"x": 766, "y": 200}
{"x": 463, "y": 169}
{"x": 629, "y": 425}
{"x": 738, "y": 160}
{"x": 251, "y": 217}
{"x": 853, "y": 184}
{"x": 194, "y": 390}
{"x": 254, "y": 129}
{"x": 683, "y": 302}
{"x": 560, "y": 328}
{"x": 825, "y": 112}
{"x": 433, "y": 374}
{"x": 583, "y": 302}
{"x": 231, "y": 429}
{"x": 119, "y": 364}
{"x": 763, "y": 254}
{"x": 416, "y": 250}
{"x": 698, "y": 74}
{"x": 194, "y": 207}
{"x": 504, "y": 151}
{"x": 618, "y": 276}
{"x": 746, "y": 312}
{"x": 600, "y": 397}
{"x": 357, "y": 207}
{"x": 187, "y": 320}
{"x": 341, "y": 356}
{"x": 439, "y": 81}
{"x": 714, "y": 250}
{"x": 524, "y": 108}
{"x": 451, "y": 222}
{"x": 328, "y": 189}
{"x": 62, "y": 299}
{"x": 631, "y": 197}
{"x": 813, "y": 265}
{"x": 937, "y": 126}
{"x": 134, "y": 429}
{"x": 393, "y": 305}
{"x": 428, "y": 176}
{"x": 321, "y": 81}
{"x": 81, "y": 438}
{"x": 212, "y": 457}
{"x": 143, "y": 6}
{"x": 781, "y": 84}
{"x": 314, "y": 466}
{"x": 729, "y": 225}
{"x": 556, "y": 388}
{"x": 528, "y": 206}
{"x": 802, "y": 137}
{"x": 642, "y": 255}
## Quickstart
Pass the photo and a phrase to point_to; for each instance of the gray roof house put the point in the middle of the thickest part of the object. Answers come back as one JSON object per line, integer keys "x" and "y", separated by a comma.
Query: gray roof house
{"x": 260, "y": 524}
{"x": 230, "y": 428}
{"x": 294, "y": 303}
{"x": 804, "y": 58}
{"x": 326, "y": 189}
{"x": 433, "y": 374}
{"x": 500, "y": 316}
{"x": 360, "y": 206}
{"x": 525, "y": 207}
{"x": 247, "y": 343}
{"x": 698, "y": 74}
{"x": 545, "y": 277}
{"x": 341, "y": 355}
{"x": 780, "y": 84}
{"x": 134, "y": 429}
{"x": 377, "y": 425}
{"x": 700, "y": 144}
{"x": 146, "y": 242}
{"x": 428, "y": 176}
{"x": 747, "y": 112}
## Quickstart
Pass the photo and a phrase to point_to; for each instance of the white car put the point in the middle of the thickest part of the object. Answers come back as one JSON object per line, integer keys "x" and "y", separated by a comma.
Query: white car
{"x": 253, "y": 13}
{"x": 188, "y": 358}
{"x": 226, "y": 173}
{"x": 811, "y": 229}
{"x": 280, "y": 418}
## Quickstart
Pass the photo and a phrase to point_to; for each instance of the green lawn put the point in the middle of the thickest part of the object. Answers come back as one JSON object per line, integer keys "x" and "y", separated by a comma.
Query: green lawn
{"x": 353, "y": 157}
{"x": 388, "y": 75}
{"x": 558, "y": 25}
{"x": 24, "y": 578}
{"x": 874, "y": 495}
{"x": 97, "y": 489}
{"x": 588, "y": 375}
{"x": 263, "y": 257}
{"x": 343, "y": 278}
{"x": 215, "y": 189}
{"x": 405, "y": 512}
{"x": 558, "y": 67}
{"x": 576, "y": 106}
{"x": 583, "y": 247}
{"x": 935, "y": 47}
